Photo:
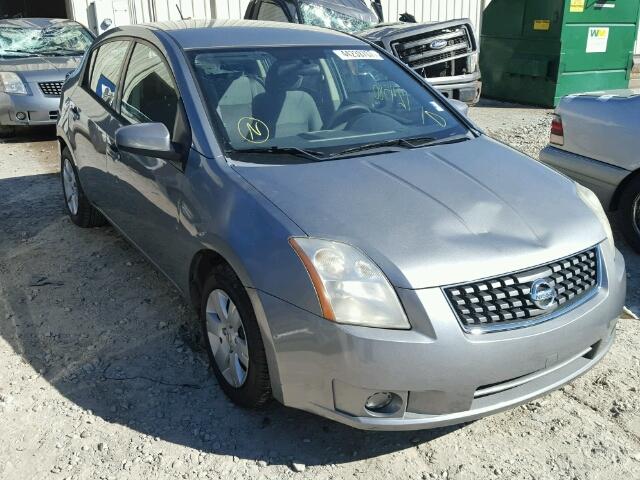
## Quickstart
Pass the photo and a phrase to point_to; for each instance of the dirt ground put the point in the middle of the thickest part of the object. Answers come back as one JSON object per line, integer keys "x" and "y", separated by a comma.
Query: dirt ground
{"x": 99, "y": 377}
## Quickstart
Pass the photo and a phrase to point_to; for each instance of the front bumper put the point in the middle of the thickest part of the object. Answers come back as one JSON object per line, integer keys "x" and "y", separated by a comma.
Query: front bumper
{"x": 466, "y": 88}
{"x": 442, "y": 375}
{"x": 38, "y": 108}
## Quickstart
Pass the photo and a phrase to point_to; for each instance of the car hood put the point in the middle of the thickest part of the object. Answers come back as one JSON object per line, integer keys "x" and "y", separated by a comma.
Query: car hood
{"x": 39, "y": 68}
{"x": 438, "y": 215}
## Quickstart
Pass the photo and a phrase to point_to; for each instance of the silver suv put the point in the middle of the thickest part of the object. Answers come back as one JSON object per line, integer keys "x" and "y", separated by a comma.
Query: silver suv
{"x": 355, "y": 247}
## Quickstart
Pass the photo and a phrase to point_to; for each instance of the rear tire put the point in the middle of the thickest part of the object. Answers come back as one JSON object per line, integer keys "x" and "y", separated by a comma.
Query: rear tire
{"x": 629, "y": 213}
{"x": 244, "y": 378}
{"x": 79, "y": 209}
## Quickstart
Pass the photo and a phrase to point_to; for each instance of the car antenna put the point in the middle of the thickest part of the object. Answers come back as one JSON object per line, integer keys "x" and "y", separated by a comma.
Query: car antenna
{"x": 180, "y": 12}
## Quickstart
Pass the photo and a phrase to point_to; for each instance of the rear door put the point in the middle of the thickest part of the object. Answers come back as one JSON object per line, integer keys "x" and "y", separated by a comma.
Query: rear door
{"x": 92, "y": 115}
{"x": 147, "y": 190}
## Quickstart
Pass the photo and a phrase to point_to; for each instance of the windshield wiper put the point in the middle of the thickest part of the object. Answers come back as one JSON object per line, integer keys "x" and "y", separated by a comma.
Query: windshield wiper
{"x": 65, "y": 52}
{"x": 300, "y": 152}
{"x": 396, "y": 142}
{"x": 27, "y": 52}
{"x": 441, "y": 141}
{"x": 409, "y": 142}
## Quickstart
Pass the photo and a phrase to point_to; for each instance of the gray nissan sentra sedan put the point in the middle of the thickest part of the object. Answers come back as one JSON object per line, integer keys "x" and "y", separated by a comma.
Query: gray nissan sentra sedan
{"x": 354, "y": 245}
{"x": 36, "y": 54}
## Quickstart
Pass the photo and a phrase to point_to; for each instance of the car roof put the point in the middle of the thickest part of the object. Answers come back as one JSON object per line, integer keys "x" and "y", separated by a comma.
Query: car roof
{"x": 36, "y": 22}
{"x": 195, "y": 34}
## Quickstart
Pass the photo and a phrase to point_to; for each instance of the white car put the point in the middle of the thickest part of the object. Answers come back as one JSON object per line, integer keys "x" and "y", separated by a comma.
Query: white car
{"x": 595, "y": 139}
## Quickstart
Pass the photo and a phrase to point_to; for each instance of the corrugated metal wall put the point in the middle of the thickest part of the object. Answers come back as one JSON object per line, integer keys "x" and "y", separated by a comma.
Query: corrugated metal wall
{"x": 434, "y": 10}
{"x": 142, "y": 11}
{"x": 160, "y": 10}
{"x": 167, "y": 9}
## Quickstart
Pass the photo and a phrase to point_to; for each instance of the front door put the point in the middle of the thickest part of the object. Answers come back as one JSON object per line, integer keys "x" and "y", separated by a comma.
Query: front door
{"x": 146, "y": 190}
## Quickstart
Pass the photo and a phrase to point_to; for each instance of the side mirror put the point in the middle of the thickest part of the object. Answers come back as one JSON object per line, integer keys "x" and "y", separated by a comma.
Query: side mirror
{"x": 461, "y": 107}
{"x": 148, "y": 139}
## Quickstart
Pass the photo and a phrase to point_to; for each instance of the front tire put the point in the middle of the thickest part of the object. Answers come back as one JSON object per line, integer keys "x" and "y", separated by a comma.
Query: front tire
{"x": 629, "y": 213}
{"x": 79, "y": 209}
{"x": 233, "y": 340}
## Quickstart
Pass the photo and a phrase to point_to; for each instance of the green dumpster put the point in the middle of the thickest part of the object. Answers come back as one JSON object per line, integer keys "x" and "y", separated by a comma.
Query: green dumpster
{"x": 537, "y": 51}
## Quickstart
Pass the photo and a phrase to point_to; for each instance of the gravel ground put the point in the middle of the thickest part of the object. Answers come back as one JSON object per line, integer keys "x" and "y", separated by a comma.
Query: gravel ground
{"x": 99, "y": 377}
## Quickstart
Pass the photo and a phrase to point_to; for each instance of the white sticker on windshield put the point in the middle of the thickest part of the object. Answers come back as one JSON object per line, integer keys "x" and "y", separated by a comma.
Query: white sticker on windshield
{"x": 358, "y": 54}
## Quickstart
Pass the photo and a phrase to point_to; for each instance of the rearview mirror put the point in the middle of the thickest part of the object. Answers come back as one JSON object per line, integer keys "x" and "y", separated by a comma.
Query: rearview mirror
{"x": 461, "y": 107}
{"x": 148, "y": 139}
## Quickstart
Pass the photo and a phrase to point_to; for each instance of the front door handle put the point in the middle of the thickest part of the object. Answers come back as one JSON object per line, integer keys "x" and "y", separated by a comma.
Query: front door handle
{"x": 75, "y": 111}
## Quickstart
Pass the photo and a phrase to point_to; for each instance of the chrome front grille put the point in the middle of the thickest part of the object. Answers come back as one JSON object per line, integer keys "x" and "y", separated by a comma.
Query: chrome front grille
{"x": 51, "y": 89}
{"x": 506, "y": 302}
{"x": 417, "y": 52}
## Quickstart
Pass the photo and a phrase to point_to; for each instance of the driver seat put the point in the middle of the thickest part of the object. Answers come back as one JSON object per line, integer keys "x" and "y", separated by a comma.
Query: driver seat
{"x": 283, "y": 107}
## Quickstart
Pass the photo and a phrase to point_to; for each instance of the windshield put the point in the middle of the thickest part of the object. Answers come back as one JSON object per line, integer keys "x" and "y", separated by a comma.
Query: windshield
{"x": 53, "y": 40}
{"x": 350, "y": 20}
{"x": 323, "y": 100}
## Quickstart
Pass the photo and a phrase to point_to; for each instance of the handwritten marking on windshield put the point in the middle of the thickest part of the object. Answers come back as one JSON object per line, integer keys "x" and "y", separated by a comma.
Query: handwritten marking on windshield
{"x": 438, "y": 119}
{"x": 383, "y": 92}
{"x": 253, "y": 130}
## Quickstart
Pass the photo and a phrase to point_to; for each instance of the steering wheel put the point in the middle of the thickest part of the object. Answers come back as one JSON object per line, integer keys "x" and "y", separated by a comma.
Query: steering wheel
{"x": 346, "y": 112}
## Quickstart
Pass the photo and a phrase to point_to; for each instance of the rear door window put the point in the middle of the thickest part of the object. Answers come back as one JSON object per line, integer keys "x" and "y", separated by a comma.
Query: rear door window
{"x": 106, "y": 68}
{"x": 149, "y": 93}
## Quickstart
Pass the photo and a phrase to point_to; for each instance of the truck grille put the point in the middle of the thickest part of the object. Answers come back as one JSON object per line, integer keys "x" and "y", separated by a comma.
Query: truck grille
{"x": 51, "y": 89}
{"x": 417, "y": 50}
{"x": 506, "y": 302}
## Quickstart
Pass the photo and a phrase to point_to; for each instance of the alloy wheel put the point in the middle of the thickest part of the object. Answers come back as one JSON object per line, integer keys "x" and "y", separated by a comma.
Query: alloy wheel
{"x": 70, "y": 187}
{"x": 227, "y": 338}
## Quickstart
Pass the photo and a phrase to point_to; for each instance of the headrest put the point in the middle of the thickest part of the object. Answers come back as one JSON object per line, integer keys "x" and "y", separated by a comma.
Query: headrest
{"x": 246, "y": 67}
{"x": 288, "y": 74}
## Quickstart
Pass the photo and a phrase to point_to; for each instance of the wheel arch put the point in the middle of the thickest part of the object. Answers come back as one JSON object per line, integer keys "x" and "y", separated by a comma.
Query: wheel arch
{"x": 615, "y": 199}
{"x": 62, "y": 143}
{"x": 202, "y": 264}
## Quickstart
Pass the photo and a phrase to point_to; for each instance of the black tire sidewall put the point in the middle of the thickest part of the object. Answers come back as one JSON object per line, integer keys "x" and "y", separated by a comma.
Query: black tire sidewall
{"x": 629, "y": 196}
{"x": 256, "y": 390}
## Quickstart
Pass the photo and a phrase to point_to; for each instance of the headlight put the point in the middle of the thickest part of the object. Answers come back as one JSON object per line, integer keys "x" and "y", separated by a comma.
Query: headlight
{"x": 350, "y": 287}
{"x": 472, "y": 62}
{"x": 10, "y": 83}
{"x": 592, "y": 201}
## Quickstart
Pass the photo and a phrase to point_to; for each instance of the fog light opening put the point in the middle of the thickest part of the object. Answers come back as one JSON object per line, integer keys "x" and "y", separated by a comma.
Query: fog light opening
{"x": 383, "y": 403}
{"x": 21, "y": 116}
